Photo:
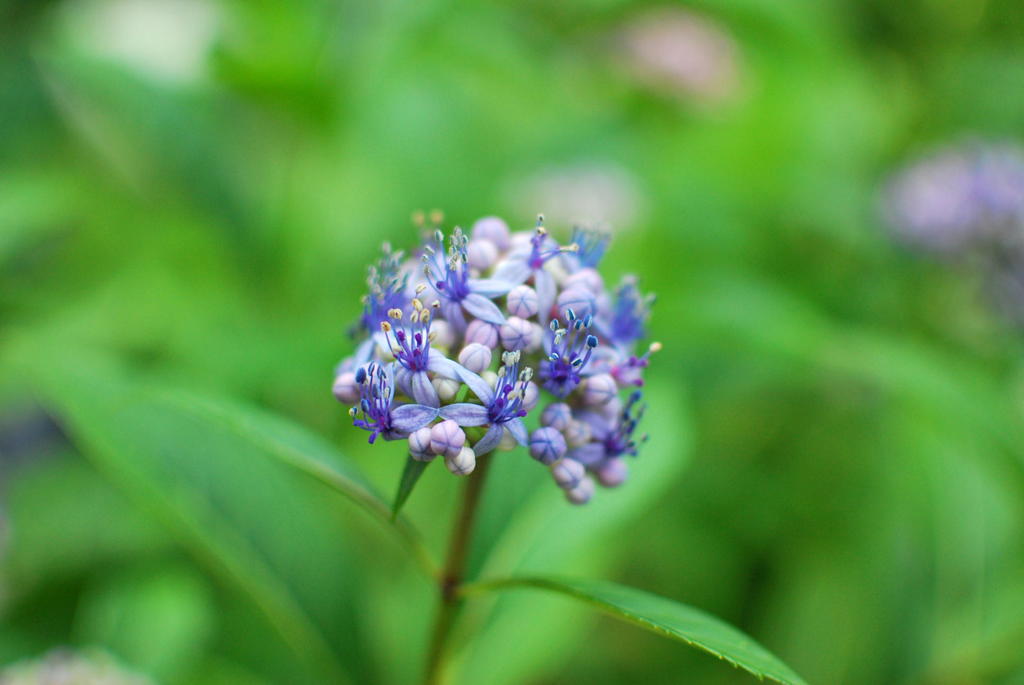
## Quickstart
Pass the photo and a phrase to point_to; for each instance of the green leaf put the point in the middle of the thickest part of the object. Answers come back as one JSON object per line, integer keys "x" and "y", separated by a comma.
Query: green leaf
{"x": 410, "y": 476}
{"x": 224, "y": 492}
{"x": 663, "y": 616}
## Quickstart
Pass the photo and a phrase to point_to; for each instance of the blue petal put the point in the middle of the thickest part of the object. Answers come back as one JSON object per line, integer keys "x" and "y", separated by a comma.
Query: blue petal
{"x": 411, "y": 417}
{"x": 442, "y": 365}
{"x": 453, "y": 315}
{"x": 478, "y": 385}
{"x": 490, "y": 287}
{"x": 423, "y": 391}
{"x": 465, "y": 414}
{"x": 518, "y": 430}
{"x": 482, "y": 308}
{"x": 490, "y": 440}
{"x": 514, "y": 270}
{"x": 544, "y": 284}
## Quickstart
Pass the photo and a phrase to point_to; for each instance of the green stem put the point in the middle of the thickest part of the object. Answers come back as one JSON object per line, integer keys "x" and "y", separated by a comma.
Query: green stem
{"x": 452, "y": 574}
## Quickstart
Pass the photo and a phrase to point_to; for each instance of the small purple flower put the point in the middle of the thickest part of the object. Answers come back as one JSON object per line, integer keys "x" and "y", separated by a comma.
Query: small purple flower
{"x": 568, "y": 351}
{"x": 611, "y": 438}
{"x": 628, "y": 320}
{"x": 376, "y": 412}
{"x": 448, "y": 275}
{"x": 387, "y": 286}
{"x": 591, "y": 246}
{"x": 503, "y": 405}
{"x": 525, "y": 264}
{"x": 409, "y": 342}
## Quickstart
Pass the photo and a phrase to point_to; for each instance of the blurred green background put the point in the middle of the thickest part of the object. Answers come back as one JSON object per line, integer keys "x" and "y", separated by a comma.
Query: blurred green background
{"x": 836, "y": 463}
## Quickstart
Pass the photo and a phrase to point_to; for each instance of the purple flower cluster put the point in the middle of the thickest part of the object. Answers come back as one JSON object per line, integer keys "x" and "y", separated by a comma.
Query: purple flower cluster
{"x": 967, "y": 199}
{"x": 453, "y": 336}
{"x": 959, "y": 198}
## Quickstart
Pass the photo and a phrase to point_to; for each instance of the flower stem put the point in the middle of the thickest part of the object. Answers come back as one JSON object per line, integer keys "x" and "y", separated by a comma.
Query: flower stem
{"x": 454, "y": 567}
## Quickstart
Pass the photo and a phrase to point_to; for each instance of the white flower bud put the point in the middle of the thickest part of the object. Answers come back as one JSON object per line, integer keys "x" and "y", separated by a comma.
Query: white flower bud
{"x": 587, "y": 278}
{"x": 567, "y": 473}
{"x": 522, "y": 301}
{"x": 599, "y": 389}
{"x": 446, "y": 388}
{"x": 580, "y": 300}
{"x": 557, "y": 415}
{"x": 536, "y": 338}
{"x": 577, "y": 433}
{"x": 475, "y": 357}
{"x": 490, "y": 377}
{"x": 516, "y": 333}
{"x": 345, "y": 388}
{"x": 447, "y": 438}
{"x": 582, "y": 493}
{"x": 613, "y": 472}
{"x": 419, "y": 445}
{"x": 531, "y": 396}
{"x": 442, "y": 334}
{"x": 479, "y": 331}
{"x": 493, "y": 229}
{"x": 481, "y": 254}
{"x": 463, "y": 463}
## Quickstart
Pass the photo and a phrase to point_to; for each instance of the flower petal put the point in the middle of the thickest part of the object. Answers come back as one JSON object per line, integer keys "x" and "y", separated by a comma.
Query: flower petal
{"x": 465, "y": 414}
{"x": 513, "y": 270}
{"x": 482, "y": 308}
{"x": 478, "y": 385}
{"x": 411, "y": 417}
{"x": 518, "y": 430}
{"x": 443, "y": 366}
{"x": 490, "y": 287}
{"x": 544, "y": 284}
{"x": 423, "y": 391}
{"x": 453, "y": 315}
{"x": 490, "y": 440}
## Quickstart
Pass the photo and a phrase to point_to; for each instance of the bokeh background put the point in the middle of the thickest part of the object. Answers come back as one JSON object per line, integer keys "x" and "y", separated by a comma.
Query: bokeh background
{"x": 836, "y": 465}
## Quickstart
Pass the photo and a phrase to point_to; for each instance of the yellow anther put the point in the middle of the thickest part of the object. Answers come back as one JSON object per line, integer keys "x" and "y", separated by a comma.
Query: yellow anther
{"x": 655, "y": 347}
{"x": 395, "y": 314}
{"x": 420, "y": 288}
{"x": 417, "y": 304}
{"x": 385, "y": 326}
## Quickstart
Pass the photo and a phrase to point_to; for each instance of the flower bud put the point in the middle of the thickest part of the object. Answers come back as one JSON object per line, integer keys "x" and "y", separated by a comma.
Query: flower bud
{"x": 419, "y": 445}
{"x": 475, "y": 357}
{"x": 580, "y": 300}
{"x": 442, "y": 334}
{"x": 547, "y": 445}
{"x": 463, "y": 463}
{"x": 479, "y": 331}
{"x": 493, "y": 229}
{"x": 568, "y": 473}
{"x": 536, "y": 338}
{"x": 447, "y": 438}
{"x": 516, "y": 333}
{"x": 577, "y": 433}
{"x": 557, "y": 415}
{"x": 587, "y": 278}
{"x": 490, "y": 378}
{"x": 582, "y": 493}
{"x": 446, "y": 388}
{"x": 531, "y": 396}
{"x": 613, "y": 472}
{"x": 611, "y": 409}
{"x": 481, "y": 254}
{"x": 522, "y": 301}
{"x": 599, "y": 390}
{"x": 345, "y": 388}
